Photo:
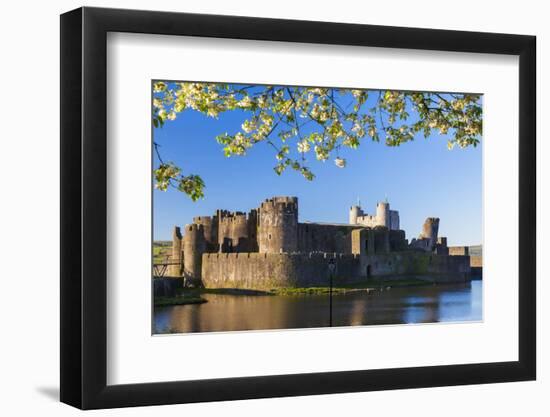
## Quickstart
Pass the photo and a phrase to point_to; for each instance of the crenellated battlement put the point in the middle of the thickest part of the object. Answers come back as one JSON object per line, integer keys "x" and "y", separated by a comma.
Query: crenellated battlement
{"x": 203, "y": 220}
{"x": 269, "y": 244}
{"x": 194, "y": 228}
{"x": 280, "y": 203}
{"x": 236, "y": 217}
{"x": 383, "y": 217}
{"x": 266, "y": 271}
{"x": 298, "y": 255}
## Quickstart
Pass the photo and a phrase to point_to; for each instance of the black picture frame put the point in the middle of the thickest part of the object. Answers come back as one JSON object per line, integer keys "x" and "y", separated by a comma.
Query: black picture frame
{"x": 84, "y": 207}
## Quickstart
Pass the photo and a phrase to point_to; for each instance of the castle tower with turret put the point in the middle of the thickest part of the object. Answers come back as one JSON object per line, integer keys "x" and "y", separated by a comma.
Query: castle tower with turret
{"x": 354, "y": 213}
{"x": 383, "y": 214}
{"x": 210, "y": 227}
{"x": 278, "y": 225}
{"x": 268, "y": 247}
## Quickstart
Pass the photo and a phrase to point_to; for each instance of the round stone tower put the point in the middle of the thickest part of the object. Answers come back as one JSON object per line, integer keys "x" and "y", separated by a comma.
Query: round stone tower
{"x": 430, "y": 229}
{"x": 278, "y": 225}
{"x": 239, "y": 232}
{"x": 354, "y": 213}
{"x": 210, "y": 231}
{"x": 383, "y": 214}
{"x": 194, "y": 245}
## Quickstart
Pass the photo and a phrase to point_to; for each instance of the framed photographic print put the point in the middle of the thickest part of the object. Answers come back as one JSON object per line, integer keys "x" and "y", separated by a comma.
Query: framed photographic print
{"x": 257, "y": 208}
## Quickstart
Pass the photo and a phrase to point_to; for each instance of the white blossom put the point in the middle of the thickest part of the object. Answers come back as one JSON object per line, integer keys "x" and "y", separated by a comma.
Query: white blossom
{"x": 340, "y": 162}
{"x": 303, "y": 146}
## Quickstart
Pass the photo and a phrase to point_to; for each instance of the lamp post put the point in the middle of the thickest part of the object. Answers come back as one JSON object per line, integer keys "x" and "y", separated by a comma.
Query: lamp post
{"x": 331, "y": 268}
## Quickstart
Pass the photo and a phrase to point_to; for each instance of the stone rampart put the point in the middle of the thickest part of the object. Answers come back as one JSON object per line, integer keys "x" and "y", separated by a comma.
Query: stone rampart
{"x": 458, "y": 250}
{"x": 265, "y": 271}
{"x": 476, "y": 261}
{"x": 417, "y": 264}
{"x": 315, "y": 237}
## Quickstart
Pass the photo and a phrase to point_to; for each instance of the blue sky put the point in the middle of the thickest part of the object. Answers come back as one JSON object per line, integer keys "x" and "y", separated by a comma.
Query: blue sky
{"x": 421, "y": 179}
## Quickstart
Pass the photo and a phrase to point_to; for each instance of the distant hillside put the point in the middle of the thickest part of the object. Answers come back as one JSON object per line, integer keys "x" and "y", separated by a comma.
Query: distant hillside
{"x": 162, "y": 250}
{"x": 476, "y": 250}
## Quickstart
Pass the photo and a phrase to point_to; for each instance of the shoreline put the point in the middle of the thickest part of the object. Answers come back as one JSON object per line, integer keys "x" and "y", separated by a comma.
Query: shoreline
{"x": 188, "y": 296}
{"x": 177, "y": 301}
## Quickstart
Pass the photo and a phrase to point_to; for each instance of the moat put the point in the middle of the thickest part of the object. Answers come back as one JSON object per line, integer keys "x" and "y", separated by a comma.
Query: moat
{"x": 407, "y": 305}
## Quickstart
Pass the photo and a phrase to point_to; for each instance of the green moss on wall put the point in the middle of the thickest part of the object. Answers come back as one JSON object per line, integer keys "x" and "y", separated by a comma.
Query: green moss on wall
{"x": 420, "y": 263}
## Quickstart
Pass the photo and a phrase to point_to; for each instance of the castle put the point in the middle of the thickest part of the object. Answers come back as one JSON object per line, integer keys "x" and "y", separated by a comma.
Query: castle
{"x": 268, "y": 248}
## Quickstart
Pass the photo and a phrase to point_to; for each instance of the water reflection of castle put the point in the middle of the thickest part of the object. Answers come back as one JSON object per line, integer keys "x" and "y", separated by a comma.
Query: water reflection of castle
{"x": 268, "y": 248}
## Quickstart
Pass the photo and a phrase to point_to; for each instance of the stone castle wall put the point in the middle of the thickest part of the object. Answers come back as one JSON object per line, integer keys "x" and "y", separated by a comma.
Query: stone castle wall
{"x": 329, "y": 238}
{"x": 278, "y": 225}
{"x": 266, "y": 271}
{"x": 476, "y": 264}
{"x": 268, "y": 248}
{"x": 421, "y": 265}
{"x": 315, "y": 237}
{"x": 210, "y": 227}
{"x": 476, "y": 261}
{"x": 458, "y": 250}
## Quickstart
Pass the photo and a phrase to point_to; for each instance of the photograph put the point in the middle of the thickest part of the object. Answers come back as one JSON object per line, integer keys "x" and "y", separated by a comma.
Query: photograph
{"x": 279, "y": 204}
{"x": 294, "y": 207}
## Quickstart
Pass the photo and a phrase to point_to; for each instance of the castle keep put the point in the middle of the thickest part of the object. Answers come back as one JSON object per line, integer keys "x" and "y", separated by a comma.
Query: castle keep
{"x": 268, "y": 248}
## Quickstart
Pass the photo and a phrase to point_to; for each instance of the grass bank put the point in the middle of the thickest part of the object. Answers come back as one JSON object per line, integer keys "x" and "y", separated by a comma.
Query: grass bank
{"x": 194, "y": 295}
{"x": 178, "y": 301}
{"x": 187, "y": 296}
{"x": 162, "y": 250}
{"x": 371, "y": 285}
